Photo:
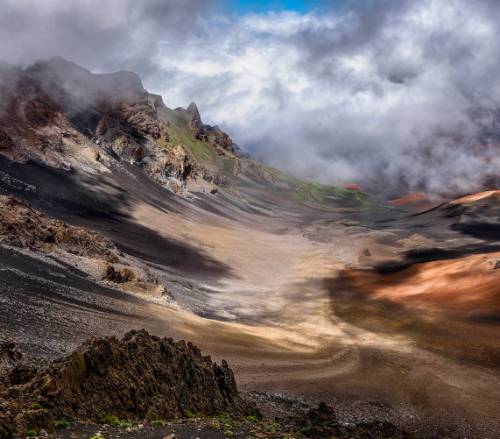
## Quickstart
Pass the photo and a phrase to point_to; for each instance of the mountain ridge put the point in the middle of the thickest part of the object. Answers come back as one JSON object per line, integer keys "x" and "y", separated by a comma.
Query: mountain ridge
{"x": 306, "y": 289}
{"x": 68, "y": 117}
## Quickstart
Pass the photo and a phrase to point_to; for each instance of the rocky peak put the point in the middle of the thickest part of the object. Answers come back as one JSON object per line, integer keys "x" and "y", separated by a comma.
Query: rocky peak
{"x": 194, "y": 116}
{"x": 67, "y": 117}
{"x": 209, "y": 134}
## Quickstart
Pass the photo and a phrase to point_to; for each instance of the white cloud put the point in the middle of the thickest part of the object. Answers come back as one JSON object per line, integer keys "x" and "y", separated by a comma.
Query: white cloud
{"x": 377, "y": 94}
{"x": 382, "y": 92}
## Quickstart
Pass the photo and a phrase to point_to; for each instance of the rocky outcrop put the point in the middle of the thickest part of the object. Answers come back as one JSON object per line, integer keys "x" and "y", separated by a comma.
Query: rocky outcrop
{"x": 24, "y": 227}
{"x": 65, "y": 116}
{"x": 9, "y": 355}
{"x": 214, "y": 136}
{"x": 117, "y": 275}
{"x": 321, "y": 422}
{"x": 211, "y": 135}
{"x": 33, "y": 124}
{"x": 193, "y": 113}
{"x": 137, "y": 377}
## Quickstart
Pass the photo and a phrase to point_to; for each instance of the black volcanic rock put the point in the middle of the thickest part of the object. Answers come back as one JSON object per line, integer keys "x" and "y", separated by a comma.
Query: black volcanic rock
{"x": 321, "y": 423}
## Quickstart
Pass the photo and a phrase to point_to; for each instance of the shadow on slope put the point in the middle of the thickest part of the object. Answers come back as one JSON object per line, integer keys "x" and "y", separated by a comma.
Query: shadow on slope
{"x": 103, "y": 203}
{"x": 419, "y": 256}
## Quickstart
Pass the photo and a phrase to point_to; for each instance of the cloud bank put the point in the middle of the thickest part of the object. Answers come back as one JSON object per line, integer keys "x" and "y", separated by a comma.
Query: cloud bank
{"x": 389, "y": 94}
{"x": 99, "y": 34}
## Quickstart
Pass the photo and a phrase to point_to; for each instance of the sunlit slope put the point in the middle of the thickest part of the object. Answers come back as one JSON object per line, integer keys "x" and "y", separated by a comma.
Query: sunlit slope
{"x": 239, "y": 170}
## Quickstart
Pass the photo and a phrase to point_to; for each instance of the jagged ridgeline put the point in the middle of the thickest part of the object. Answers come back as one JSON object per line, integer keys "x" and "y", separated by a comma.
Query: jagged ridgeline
{"x": 69, "y": 118}
{"x": 133, "y": 378}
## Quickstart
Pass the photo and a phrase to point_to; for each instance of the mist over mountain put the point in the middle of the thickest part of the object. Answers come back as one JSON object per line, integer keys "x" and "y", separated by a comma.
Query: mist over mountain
{"x": 307, "y": 189}
{"x": 399, "y": 94}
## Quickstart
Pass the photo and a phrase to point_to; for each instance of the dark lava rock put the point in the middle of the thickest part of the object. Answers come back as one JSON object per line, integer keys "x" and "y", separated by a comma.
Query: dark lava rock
{"x": 118, "y": 276}
{"x": 5, "y": 140}
{"x": 129, "y": 378}
{"x": 9, "y": 355}
{"x": 321, "y": 422}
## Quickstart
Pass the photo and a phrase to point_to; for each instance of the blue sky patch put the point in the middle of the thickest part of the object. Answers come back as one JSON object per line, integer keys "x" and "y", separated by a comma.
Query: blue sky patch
{"x": 263, "y": 6}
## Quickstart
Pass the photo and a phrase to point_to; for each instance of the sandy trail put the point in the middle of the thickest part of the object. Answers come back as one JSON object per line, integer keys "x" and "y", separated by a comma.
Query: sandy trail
{"x": 294, "y": 341}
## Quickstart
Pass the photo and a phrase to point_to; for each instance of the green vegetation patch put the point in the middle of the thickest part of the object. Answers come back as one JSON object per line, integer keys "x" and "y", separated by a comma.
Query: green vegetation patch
{"x": 62, "y": 424}
{"x": 309, "y": 191}
{"x": 115, "y": 421}
{"x": 156, "y": 419}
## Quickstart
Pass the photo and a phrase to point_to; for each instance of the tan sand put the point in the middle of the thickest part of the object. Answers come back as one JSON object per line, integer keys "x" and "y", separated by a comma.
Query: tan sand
{"x": 298, "y": 344}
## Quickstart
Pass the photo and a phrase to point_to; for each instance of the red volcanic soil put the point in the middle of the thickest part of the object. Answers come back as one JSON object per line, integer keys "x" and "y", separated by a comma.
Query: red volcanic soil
{"x": 492, "y": 195}
{"x": 466, "y": 286}
{"x": 416, "y": 197}
{"x": 353, "y": 187}
{"x": 416, "y": 201}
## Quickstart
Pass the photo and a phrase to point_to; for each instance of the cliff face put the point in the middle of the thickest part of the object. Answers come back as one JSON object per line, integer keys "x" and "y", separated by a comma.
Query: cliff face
{"x": 65, "y": 116}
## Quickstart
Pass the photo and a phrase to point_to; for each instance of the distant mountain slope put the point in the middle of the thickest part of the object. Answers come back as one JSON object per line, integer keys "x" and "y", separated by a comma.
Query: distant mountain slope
{"x": 69, "y": 118}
